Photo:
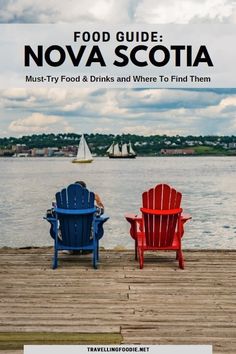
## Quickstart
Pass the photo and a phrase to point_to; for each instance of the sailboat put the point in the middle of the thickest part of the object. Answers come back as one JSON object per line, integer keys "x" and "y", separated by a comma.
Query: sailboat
{"x": 121, "y": 151}
{"x": 83, "y": 154}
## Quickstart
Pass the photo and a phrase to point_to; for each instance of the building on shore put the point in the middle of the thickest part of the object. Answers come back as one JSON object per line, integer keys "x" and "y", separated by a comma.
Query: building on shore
{"x": 177, "y": 152}
{"x": 35, "y": 152}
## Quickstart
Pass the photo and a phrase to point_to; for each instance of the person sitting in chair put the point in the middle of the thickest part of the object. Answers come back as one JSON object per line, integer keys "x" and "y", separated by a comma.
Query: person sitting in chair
{"x": 99, "y": 203}
{"x": 100, "y": 210}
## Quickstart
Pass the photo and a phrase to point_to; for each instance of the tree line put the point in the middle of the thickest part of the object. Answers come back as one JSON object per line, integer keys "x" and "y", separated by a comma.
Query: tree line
{"x": 99, "y": 143}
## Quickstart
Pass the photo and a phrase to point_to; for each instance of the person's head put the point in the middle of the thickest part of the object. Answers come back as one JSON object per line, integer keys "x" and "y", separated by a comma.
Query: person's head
{"x": 82, "y": 183}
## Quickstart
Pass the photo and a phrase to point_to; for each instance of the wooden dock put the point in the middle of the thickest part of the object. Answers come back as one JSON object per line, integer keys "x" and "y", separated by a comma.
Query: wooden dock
{"x": 118, "y": 303}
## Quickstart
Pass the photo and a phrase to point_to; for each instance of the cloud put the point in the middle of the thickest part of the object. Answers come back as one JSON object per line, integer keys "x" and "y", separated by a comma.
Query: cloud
{"x": 142, "y": 130}
{"x": 156, "y": 99}
{"x": 122, "y": 11}
{"x": 142, "y": 111}
{"x": 53, "y": 11}
{"x": 38, "y": 123}
{"x": 228, "y": 105}
{"x": 185, "y": 11}
{"x": 47, "y": 100}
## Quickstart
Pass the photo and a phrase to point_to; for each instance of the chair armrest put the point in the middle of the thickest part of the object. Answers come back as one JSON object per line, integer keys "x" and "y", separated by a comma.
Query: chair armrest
{"x": 133, "y": 217}
{"x": 49, "y": 218}
{"x": 136, "y": 222}
{"x": 101, "y": 218}
{"x": 98, "y": 222}
{"x": 53, "y": 229}
{"x": 183, "y": 219}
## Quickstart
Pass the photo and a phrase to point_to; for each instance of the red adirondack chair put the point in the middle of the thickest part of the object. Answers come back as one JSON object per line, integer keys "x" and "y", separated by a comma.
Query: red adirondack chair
{"x": 161, "y": 226}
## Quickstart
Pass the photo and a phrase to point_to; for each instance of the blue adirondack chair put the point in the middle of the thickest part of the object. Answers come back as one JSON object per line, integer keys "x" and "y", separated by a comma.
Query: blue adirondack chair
{"x": 74, "y": 224}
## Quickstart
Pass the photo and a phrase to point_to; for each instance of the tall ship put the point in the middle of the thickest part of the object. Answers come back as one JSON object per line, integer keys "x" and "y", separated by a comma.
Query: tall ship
{"x": 121, "y": 151}
{"x": 83, "y": 154}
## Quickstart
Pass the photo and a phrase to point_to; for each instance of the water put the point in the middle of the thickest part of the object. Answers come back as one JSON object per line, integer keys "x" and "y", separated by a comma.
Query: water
{"x": 28, "y": 186}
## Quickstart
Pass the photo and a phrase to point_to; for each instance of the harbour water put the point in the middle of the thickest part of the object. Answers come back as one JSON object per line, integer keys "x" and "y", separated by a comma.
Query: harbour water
{"x": 28, "y": 187}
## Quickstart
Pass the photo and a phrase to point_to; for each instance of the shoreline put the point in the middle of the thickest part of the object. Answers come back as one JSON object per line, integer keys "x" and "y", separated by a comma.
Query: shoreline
{"x": 161, "y": 155}
{"x": 115, "y": 249}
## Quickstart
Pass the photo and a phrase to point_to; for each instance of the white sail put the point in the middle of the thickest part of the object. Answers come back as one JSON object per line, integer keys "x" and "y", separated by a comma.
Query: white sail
{"x": 117, "y": 151}
{"x": 124, "y": 150}
{"x": 83, "y": 154}
{"x": 131, "y": 151}
{"x": 121, "y": 151}
{"x": 110, "y": 149}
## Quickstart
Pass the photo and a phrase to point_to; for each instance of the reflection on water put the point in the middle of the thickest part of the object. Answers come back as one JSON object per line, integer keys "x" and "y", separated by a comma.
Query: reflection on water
{"x": 28, "y": 186}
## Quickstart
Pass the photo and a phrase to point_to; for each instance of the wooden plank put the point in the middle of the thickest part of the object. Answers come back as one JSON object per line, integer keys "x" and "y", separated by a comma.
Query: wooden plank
{"x": 12, "y": 341}
{"x": 196, "y": 305}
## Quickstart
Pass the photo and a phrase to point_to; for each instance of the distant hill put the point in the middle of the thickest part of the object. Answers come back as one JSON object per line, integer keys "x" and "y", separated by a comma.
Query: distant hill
{"x": 143, "y": 145}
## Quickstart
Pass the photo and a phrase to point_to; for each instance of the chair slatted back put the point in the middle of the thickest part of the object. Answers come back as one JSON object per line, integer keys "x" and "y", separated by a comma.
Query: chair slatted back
{"x": 75, "y": 229}
{"x": 160, "y": 229}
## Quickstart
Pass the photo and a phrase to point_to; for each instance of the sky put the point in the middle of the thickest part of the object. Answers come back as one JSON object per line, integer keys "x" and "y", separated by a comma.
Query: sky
{"x": 143, "y": 111}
